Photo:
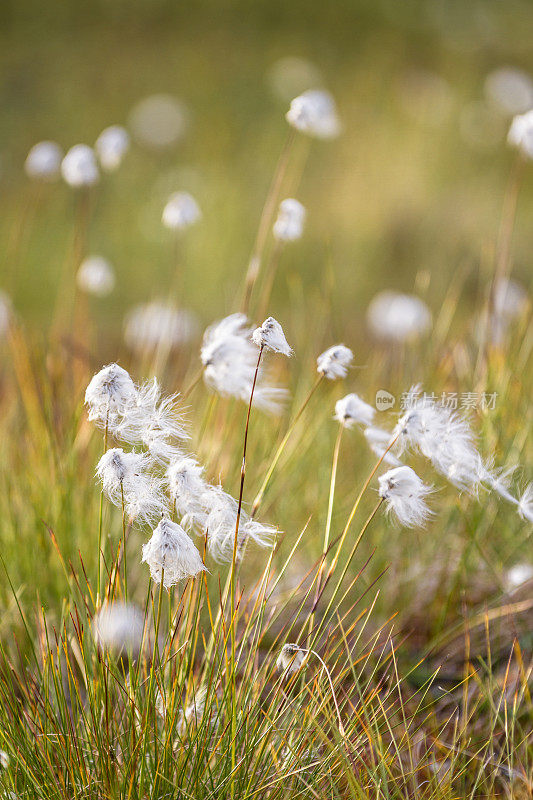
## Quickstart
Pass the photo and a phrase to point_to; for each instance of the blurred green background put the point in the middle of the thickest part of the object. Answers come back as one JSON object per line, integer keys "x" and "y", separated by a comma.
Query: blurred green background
{"x": 413, "y": 187}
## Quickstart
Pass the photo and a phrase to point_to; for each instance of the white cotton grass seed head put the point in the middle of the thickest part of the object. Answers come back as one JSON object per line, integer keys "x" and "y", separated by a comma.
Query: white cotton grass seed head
{"x": 525, "y": 505}
{"x": 314, "y": 113}
{"x": 291, "y": 659}
{"x": 351, "y": 410}
{"x": 521, "y": 133}
{"x": 159, "y": 121}
{"x": 159, "y": 324}
{"x": 181, "y": 212}
{"x": 405, "y": 495}
{"x": 290, "y": 221}
{"x": 43, "y": 162}
{"x": 334, "y": 362}
{"x": 126, "y": 478}
{"x": 171, "y": 554}
{"x": 510, "y": 90}
{"x": 79, "y": 168}
{"x": 517, "y": 575}
{"x": 111, "y": 147}
{"x": 187, "y": 486}
{"x": 95, "y": 276}
{"x": 270, "y": 335}
{"x": 108, "y": 393}
{"x": 220, "y": 524}
{"x": 393, "y": 316}
{"x": 229, "y": 358}
{"x": 118, "y": 628}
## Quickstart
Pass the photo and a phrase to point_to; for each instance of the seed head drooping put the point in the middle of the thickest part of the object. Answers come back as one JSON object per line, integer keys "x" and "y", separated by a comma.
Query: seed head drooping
{"x": 405, "y": 496}
{"x": 79, "y": 168}
{"x": 43, "y": 162}
{"x": 172, "y": 551}
{"x": 314, "y": 113}
{"x": 351, "y": 409}
{"x": 181, "y": 211}
{"x": 291, "y": 658}
{"x": 289, "y": 224}
{"x": 126, "y": 475}
{"x": 111, "y": 147}
{"x": 334, "y": 362}
{"x": 229, "y": 358}
{"x": 271, "y": 336}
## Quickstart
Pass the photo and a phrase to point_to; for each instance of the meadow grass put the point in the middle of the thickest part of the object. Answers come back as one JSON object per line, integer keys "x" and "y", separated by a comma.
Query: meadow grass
{"x": 414, "y": 660}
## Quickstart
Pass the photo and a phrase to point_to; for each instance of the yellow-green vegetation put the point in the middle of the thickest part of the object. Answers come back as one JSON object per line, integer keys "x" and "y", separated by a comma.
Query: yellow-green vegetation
{"x": 353, "y": 657}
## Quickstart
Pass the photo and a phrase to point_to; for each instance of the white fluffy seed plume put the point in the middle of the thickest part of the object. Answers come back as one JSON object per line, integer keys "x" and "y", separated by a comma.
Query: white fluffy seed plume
{"x": 334, "y": 362}
{"x": 270, "y": 335}
{"x": 351, "y": 410}
{"x": 290, "y": 221}
{"x": 291, "y": 659}
{"x": 43, "y": 162}
{"x": 314, "y": 113}
{"x": 170, "y": 553}
{"x": 118, "y": 629}
{"x": 521, "y": 133}
{"x": 158, "y": 324}
{"x": 79, "y": 168}
{"x": 181, "y": 212}
{"x": 95, "y": 276}
{"x": 398, "y": 317}
{"x": 127, "y": 477}
{"x": 111, "y": 147}
{"x": 405, "y": 495}
{"x": 108, "y": 394}
{"x": 229, "y": 358}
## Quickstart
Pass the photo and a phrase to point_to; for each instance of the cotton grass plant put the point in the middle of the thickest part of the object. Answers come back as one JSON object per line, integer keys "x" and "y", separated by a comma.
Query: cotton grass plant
{"x": 259, "y": 584}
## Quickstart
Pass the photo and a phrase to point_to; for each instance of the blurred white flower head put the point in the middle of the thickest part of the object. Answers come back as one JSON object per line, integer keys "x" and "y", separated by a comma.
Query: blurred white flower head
{"x": 79, "y": 168}
{"x": 518, "y": 575}
{"x": 525, "y": 505}
{"x": 109, "y": 392}
{"x": 111, "y": 147}
{"x": 405, "y": 496}
{"x": 181, "y": 211}
{"x": 6, "y": 313}
{"x": 229, "y": 358}
{"x": 158, "y": 323}
{"x": 314, "y": 113}
{"x": 291, "y": 658}
{"x": 43, "y": 162}
{"x": 521, "y": 133}
{"x": 271, "y": 336}
{"x": 171, "y": 554}
{"x": 351, "y": 409}
{"x": 292, "y": 75}
{"x": 289, "y": 224}
{"x": 398, "y": 317}
{"x": 510, "y": 90}
{"x": 159, "y": 121}
{"x": 333, "y": 363}
{"x": 96, "y": 276}
{"x": 118, "y": 628}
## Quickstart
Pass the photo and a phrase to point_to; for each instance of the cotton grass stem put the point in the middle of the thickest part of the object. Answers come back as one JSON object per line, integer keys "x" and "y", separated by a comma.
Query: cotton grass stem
{"x": 100, "y": 521}
{"x": 259, "y": 497}
{"x": 254, "y": 266}
{"x": 155, "y": 656}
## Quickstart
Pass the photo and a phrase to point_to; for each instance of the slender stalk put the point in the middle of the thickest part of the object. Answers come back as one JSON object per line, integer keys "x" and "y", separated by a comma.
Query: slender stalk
{"x": 328, "y": 522}
{"x": 233, "y": 569}
{"x": 254, "y": 266}
{"x": 326, "y": 670}
{"x": 124, "y": 544}
{"x": 356, "y": 505}
{"x": 100, "y": 520}
{"x": 259, "y": 497}
{"x": 155, "y": 655}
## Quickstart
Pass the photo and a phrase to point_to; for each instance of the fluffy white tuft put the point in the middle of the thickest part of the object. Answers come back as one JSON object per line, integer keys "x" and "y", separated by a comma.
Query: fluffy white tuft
{"x": 405, "y": 496}
{"x": 314, "y": 113}
{"x": 352, "y": 409}
{"x": 333, "y": 363}
{"x": 171, "y": 553}
{"x": 271, "y": 336}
